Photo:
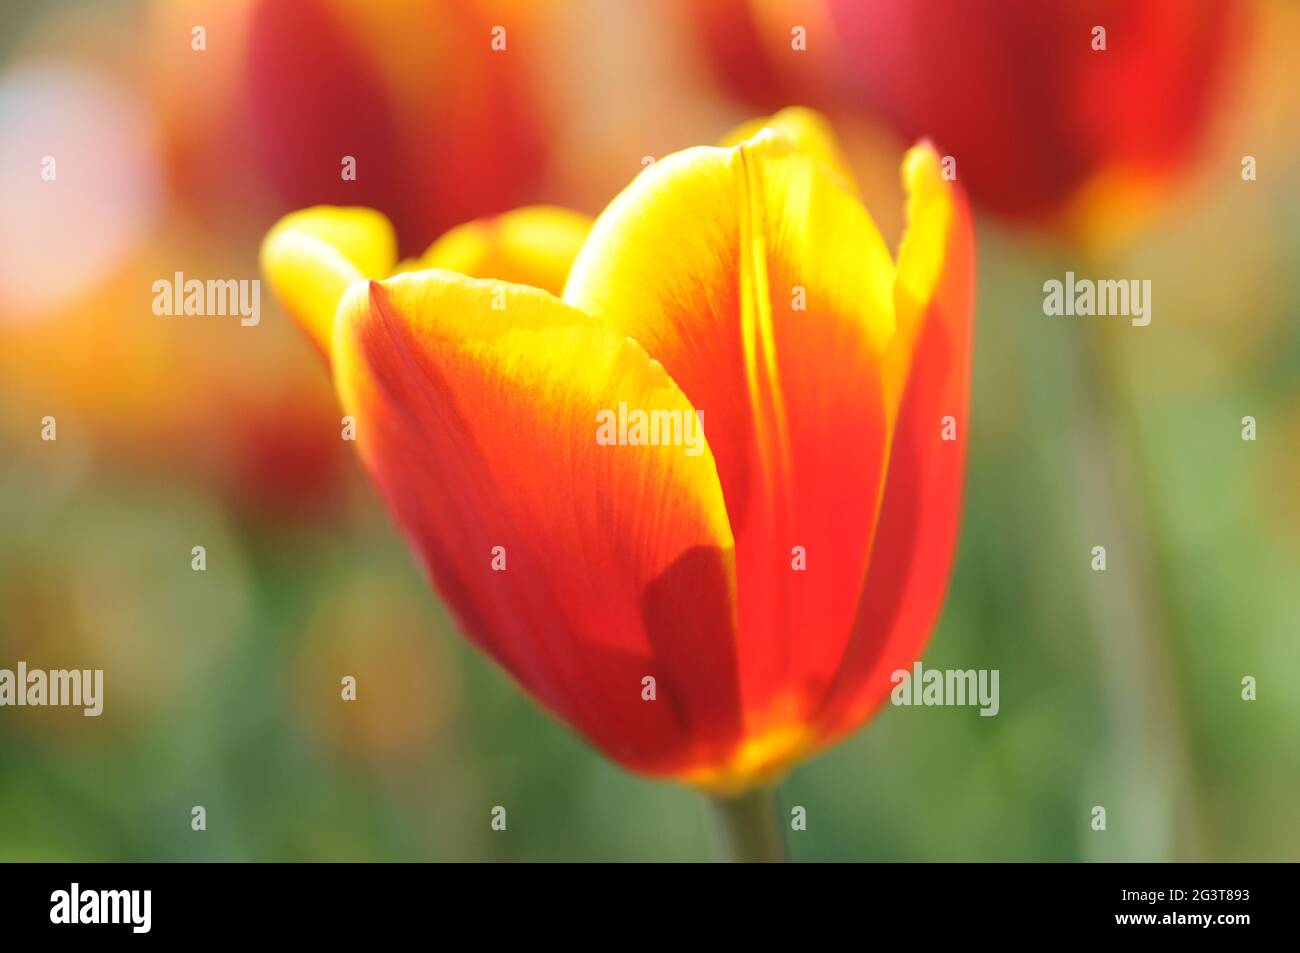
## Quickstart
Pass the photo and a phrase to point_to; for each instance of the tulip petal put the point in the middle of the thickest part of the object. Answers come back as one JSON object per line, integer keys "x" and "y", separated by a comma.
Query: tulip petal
{"x": 312, "y": 256}
{"x": 766, "y": 291}
{"x": 809, "y": 130}
{"x": 476, "y": 405}
{"x": 920, "y": 512}
{"x": 533, "y": 246}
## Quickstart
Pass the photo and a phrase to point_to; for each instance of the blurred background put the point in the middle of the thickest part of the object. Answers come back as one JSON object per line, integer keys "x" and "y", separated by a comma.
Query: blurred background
{"x": 177, "y": 148}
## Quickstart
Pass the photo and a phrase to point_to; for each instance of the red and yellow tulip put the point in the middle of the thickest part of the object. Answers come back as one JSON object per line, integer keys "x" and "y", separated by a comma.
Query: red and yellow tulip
{"x": 770, "y": 583}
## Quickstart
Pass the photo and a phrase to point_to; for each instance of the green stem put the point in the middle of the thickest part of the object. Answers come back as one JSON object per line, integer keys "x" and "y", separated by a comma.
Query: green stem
{"x": 750, "y": 827}
{"x": 1131, "y": 620}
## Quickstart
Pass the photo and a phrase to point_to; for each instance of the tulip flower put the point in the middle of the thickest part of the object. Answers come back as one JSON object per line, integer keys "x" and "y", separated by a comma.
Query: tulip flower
{"x": 768, "y": 52}
{"x": 712, "y": 617}
{"x": 404, "y": 105}
{"x": 1048, "y": 128}
{"x": 1057, "y": 113}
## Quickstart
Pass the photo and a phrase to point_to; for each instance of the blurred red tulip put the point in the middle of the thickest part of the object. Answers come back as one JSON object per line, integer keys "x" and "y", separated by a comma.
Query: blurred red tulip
{"x": 1039, "y": 120}
{"x": 200, "y": 398}
{"x": 771, "y": 53}
{"x": 437, "y": 120}
{"x": 285, "y": 457}
{"x": 198, "y": 100}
